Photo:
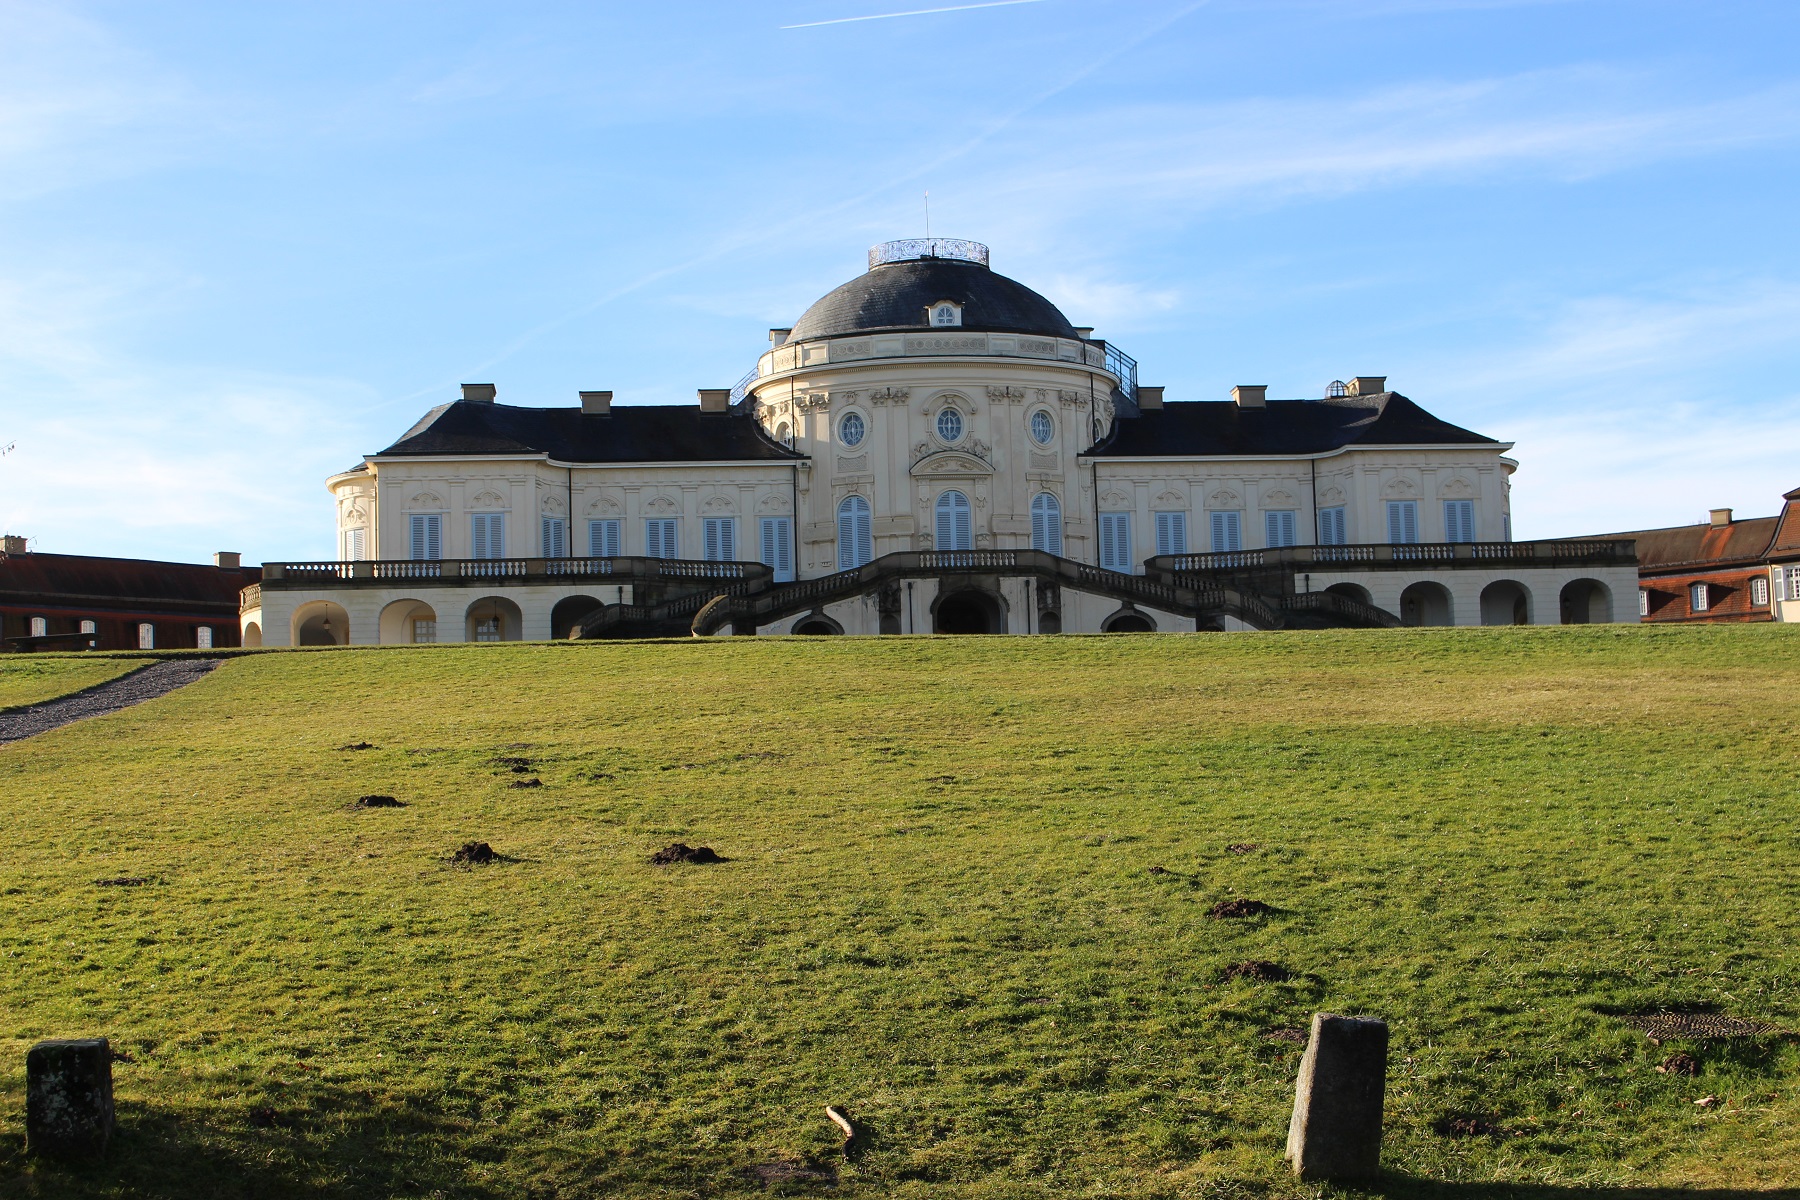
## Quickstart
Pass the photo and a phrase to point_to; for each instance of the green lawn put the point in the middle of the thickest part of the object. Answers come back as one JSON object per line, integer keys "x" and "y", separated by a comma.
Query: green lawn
{"x": 938, "y": 913}
{"x": 29, "y": 678}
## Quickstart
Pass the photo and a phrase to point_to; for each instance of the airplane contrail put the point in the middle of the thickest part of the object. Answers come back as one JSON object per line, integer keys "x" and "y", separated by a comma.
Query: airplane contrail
{"x": 917, "y": 12}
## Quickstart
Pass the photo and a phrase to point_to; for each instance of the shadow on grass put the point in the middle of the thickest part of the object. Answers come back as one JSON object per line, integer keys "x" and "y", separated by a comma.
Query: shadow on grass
{"x": 336, "y": 1144}
{"x": 1401, "y": 1188}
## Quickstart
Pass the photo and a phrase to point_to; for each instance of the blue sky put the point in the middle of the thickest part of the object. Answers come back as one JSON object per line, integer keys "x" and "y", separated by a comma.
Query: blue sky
{"x": 242, "y": 245}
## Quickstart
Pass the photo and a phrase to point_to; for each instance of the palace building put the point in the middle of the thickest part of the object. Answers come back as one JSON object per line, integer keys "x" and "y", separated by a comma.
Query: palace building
{"x": 931, "y": 447}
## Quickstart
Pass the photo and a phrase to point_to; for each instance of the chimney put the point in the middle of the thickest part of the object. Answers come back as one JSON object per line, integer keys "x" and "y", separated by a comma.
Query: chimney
{"x": 1251, "y": 395}
{"x": 1368, "y": 385}
{"x": 228, "y": 559}
{"x": 715, "y": 400}
{"x": 1149, "y": 398}
{"x": 778, "y": 336}
{"x": 1720, "y": 516}
{"x": 598, "y": 403}
{"x": 15, "y": 544}
{"x": 479, "y": 393}
{"x": 1085, "y": 332}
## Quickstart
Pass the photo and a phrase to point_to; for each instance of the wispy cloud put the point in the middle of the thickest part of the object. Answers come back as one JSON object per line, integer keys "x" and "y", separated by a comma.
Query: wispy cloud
{"x": 917, "y": 12}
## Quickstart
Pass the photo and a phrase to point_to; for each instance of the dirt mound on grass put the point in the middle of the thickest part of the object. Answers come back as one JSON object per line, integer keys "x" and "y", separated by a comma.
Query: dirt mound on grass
{"x": 1239, "y": 909}
{"x": 377, "y": 802}
{"x": 358, "y": 746}
{"x": 124, "y": 881}
{"x": 518, "y": 766}
{"x": 1464, "y": 1125}
{"x": 1679, "y": 1064}
{"x": 1297, "y": 1037}
{"x": 474, "y": 854}
{"x": 681, "y": 852}
{"x": 1243, "y": 848}
{"x": 1258, "y": 971}
{"x": 526, "y": 783}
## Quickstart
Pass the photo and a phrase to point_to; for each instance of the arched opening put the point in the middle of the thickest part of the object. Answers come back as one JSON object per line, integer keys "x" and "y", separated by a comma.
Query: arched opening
{"x": 493, "y": 619}
{"x": 321, "y": 623}
{"x": 1209, "y": 625}
{"x": 1425, "y": 603}
{"x": 1586, "y": 602}
{"x": 253, "y": 634}
{"x": 1351, "y": 591}
{"x": 1046, "y": 523}
{"x": 569, "y": 613}
{"x": 1128, "y": 620}
{"x": 818, "y": 625}
{"x": 955, "y": 527}
{"x": 1505, "y": 602}
{"x": 856, "y": 543}
{"x": 1049, "y": 621}
{"x": 968, "y": 611}
{"x": 406, "y": 621}
{"x": 890, "y": 622}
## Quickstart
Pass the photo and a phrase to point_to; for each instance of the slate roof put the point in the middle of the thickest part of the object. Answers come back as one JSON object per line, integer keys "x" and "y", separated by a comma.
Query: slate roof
{"x": 81, "y": 581}
{"x": 630, "y": 433}
{"x": 1221, "y": 427}
{"x": 1740, "y": 543}
{"x": 895, "y": 295}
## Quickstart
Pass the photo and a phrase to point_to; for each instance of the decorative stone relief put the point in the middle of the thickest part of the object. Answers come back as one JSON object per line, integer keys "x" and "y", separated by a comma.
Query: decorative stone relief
{"x": 1002, "y": 394}
{"x": 488, "y": 499}
{"x": 859, "y": 463}
{"x": 1071, "y": 398}
{"x": 1278, "y": 498}
{"x": 845, "y": 397}
{"x": 884, "y": 395}
{"x": 662, "y": 504}
{"x": 1170, "y": 500}
{"x": 553, "y": 505}
{"x": 1400, "y": 489}
{"x": 813, "y": 400}
{"x": 604, "y": 506}
{"x": 1331, "y": 495}
{"x": 1457, "y": 488}
{"x": 1037, "y": 346}
{"x": 1044, "y": 462}
{"x": 1115, "y": 501}
{"x": 1223, "y": 498}
{"x": 775, "y": 504}
{"x": 718, "y": 504}
{"x": 425, "y": 500}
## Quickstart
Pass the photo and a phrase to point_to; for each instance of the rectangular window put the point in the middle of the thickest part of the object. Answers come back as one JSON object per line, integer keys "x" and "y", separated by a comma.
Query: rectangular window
{"x": 203, "y": 637}
{"x": 778, "y": 546}
{"x": 603, "y": 539}
{"x": 1331, "y": 526}
{"x": 1171, "y": 533}
{"x": 426, "y": 532}
{"x": 556, "y": 538}
{"x": 1759, "y": 591}
{"x": 40, "y": 627}
{"x": 1793, "y": 583}
{"x": 89, "y": 627}
{"x": 1643, "y": 602}
{"x": 1403, "y": 521}
{"x": 1459, "y": 520}
{"x": 424, "y": 630}
{"x": 1506, "y": 527}
{"x": 1115, "y": 541}
{"x": 721, "y": 539}
{"x": 1227, "y": 532}
{"x": 661, "y": 537}
{"x": 1280, "y": 528}
{"x": 487, "y": 629}
{"x": 487, "y": 535}
{"x": 1698, "y": 600}
{"x": 146, "y": 636}
{"x": 356, "y": 545}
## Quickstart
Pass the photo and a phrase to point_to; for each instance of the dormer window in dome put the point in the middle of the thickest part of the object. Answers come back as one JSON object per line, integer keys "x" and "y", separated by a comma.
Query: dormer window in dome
{"x": 944, "y": 313}
{"x": 1335, "y": 389}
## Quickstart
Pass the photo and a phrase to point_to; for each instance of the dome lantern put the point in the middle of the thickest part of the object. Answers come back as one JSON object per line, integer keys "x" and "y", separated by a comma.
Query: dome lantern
{"x": 911, "y": 249}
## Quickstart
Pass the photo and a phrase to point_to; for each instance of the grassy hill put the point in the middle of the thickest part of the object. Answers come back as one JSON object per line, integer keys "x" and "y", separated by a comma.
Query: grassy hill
{"x": 939, "y": 912}
{"x": 31, "y": 678}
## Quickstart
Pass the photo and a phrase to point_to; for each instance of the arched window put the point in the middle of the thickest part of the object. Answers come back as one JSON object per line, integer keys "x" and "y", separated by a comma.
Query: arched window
{"x": 950, "y": 425}
{"x": 856, "y": 545}
{"x": 851, "y": 429}
{"x": 1043, "y": 428}
{"x": 1046, "y": 523}
{"x": 954, "y": 526}
{"x": 784, "y": 435}
{"x": 1336, "y": 388}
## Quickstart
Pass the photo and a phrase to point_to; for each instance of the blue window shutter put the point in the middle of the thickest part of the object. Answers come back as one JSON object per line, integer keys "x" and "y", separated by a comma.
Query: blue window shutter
{"x": 855, "y": 533}
{"x": 1403, "y": 521}
{"x": 1115, "y": 541}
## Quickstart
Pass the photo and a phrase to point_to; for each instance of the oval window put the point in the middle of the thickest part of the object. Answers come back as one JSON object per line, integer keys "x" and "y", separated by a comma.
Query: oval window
{"x": 851, "y": 429}
{"x": 950, "y": 425}
{"x": 1042, "y": 427}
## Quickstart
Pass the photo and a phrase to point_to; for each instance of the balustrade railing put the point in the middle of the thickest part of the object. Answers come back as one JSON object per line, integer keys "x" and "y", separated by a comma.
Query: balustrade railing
{"x": 1618, "y": 552}
{"x": 370, "y": 572}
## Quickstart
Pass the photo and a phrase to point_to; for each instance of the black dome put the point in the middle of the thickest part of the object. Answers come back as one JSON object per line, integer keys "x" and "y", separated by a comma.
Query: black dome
{"x": 895, "y": 295}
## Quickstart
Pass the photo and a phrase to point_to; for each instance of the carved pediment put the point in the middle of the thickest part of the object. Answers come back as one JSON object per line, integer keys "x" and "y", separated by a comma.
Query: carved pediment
{"x": 951, "y": 462}
{"x": 553, "y": 504}
{"x": 1278, "y": 498}
{"x": 716, "y": 505}
{"x": 1115, "y": 501}
{"x": 488, "y": 498}
{"x": 662, "y": 505}
{"x": 775, "y": 504}
{"x": 425, "y": 500}
{"x": 1331, "y": 495}
{"x": 1400, "y": 489}
{"x": 605, "y": 506}
{"x": 1223, "y": 498}
{"x": 1457, "y": 489}
{"x": 1169, "y": 500}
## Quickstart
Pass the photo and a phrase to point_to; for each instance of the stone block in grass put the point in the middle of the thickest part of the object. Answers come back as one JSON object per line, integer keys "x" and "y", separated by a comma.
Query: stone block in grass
{"x": 68, "y": 1099}
{"x": 1336, "y": 1129}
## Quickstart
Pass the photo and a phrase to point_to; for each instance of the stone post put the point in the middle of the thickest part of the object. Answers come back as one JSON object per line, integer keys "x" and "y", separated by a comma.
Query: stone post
{"x": 1336, "y": 1130}
{"x": 68, "y": 1098}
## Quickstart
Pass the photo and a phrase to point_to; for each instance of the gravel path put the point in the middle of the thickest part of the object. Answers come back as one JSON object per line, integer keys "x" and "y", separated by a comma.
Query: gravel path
{"x": 158, "y": 679}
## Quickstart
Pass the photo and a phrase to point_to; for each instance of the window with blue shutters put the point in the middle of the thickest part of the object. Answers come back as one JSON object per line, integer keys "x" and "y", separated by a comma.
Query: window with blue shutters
{"x": 603, "y": 539}
{"x": 856, "y": 543}
{"x": 1227, "y": 532}
{"x": 1046, "y": 523}
{"x": 1403, "y": 521}
{"x": 1459, "y": 520}
{"x": 777, "y": 537}
{"x": 487, "y": 535}
{"x": 1280, "y": 528}
{"x": 556, "y": 538}
{"x": 356, "y": 545}
{"x": 955, "y": 523}
{"x": 426, "y": 535}
{"x": 1115, "y": 541}
{"x": 721, "y": 539}
{"x": 1171, "y": 533}
{"x": 662, "y": 538}
{"x": 1332, "y": 530}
